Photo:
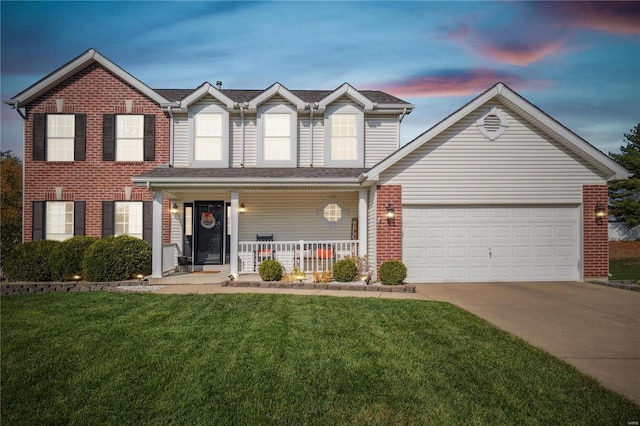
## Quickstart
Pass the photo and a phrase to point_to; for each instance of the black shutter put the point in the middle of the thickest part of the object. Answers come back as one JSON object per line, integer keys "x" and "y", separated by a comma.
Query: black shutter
{"x": 108, "y": 218}
{"x": 149, "y": 137}
{"x": 39, "y": 137}
{"x": 147, "y": 222}
{"x": 80, "y": 138}
{"x": 79, "y": 208}
{"x": 108, "y": 137}
{"x": 39, "y": 221}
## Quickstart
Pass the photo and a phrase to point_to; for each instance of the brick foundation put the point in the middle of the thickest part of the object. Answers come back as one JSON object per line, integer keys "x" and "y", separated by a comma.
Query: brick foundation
{"x": 388, "y": 233}
{"x": 595, "y": 240}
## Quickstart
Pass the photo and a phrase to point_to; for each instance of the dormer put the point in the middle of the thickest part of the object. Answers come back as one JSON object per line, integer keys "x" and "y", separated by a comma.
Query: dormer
{"x": 277, "y": 126}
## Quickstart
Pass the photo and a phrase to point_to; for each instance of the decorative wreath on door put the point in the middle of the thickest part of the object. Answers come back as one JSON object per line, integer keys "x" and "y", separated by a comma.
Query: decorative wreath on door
{"x": 207, "y": 220}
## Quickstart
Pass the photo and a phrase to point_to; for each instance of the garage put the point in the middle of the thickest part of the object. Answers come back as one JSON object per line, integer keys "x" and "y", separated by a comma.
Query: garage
{"x": 483, "y": 244}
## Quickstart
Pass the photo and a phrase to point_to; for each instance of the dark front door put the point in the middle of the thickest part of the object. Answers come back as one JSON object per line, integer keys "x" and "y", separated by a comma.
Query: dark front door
{"x": 209, "y": 232}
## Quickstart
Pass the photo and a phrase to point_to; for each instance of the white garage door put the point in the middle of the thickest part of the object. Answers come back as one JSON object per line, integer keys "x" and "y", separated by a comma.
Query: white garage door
{"x": 483, "y": 244}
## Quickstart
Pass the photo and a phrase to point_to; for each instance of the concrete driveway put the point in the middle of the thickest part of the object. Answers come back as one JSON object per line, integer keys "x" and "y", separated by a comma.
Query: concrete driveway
{"x": 594, "y": 328}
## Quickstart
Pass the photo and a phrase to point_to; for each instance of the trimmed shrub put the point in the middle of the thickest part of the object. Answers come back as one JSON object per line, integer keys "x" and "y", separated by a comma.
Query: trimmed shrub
{"x": 33, "y": 261}
{"x": 71, "y": 253}
{"x": 116, "y": 259}
{"x": 345, "y": 270}
{"x": 393, "y": 272}
{"x": 270, "y": 270}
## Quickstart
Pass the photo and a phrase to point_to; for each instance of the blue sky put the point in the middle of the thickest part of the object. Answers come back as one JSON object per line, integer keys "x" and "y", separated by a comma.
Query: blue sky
{"x": 577, "y": 61}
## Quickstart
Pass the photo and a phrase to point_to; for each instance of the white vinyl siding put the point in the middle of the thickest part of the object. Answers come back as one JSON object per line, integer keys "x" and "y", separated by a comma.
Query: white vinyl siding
{"x": 129, "y": 138}
{"x": 460, "y": 166}
{"x": 128, "y": 220}
{"x": 207, "y": 137}
{"x": 59, "y": 225}
{"x": 502, "y": 243}
{"x": 382, "y": 138}
{"x": 267, "y": 213}
{"x": 180, "y": 141}
{"x": 60, "y": 134}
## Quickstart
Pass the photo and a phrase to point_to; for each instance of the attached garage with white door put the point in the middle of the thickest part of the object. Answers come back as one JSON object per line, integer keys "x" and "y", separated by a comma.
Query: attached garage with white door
{"x": 498, "y": 191}
{"x": 491, "y": 243}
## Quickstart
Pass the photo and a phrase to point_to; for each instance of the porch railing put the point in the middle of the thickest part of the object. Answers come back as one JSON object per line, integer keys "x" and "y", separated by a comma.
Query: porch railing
{"x": 309, "y": 256}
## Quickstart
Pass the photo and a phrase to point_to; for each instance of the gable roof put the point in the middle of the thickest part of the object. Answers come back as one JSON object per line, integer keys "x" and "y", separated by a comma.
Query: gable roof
{"x": 207, "y": 89}
{"x": 274, "y": 90}
{"x": 610, "y": 169}
{"x": 74, "y": 66}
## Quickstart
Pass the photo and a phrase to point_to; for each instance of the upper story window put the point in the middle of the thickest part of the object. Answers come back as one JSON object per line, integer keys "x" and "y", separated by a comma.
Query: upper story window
{"x": 344, "y": 143}
{"x": 209, "y": 130}
{"x": 59, "y": 220}
{"x": 59, "y": 137}
{"x": 128, "y": 137}
{"x": 277, "y": 136}
{"x": 60, "y": 134}
{"x": 207, "y": 137}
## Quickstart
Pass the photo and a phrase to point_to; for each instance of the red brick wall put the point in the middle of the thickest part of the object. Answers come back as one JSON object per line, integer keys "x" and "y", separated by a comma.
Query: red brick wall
{"x": 388, "y": 235}
{"x": 595, "y": 235}
{"x": 93, "y": 91}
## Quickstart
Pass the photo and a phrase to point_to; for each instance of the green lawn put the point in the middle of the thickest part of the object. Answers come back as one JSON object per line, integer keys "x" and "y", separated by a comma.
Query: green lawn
{"x": 112, "y": 358}
{"x": 624, "y": 269}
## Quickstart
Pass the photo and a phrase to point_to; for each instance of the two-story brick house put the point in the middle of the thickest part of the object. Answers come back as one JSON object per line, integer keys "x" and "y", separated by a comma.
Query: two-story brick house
{"x": 498, "y": 191}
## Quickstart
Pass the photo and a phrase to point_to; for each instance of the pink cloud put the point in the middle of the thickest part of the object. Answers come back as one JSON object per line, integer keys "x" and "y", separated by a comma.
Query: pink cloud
{"x": 455, "y": 83}
{"x": 520, "y": 54}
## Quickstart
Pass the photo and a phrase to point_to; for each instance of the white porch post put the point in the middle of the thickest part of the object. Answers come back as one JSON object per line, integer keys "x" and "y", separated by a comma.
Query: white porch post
{"x": 233, "y": 249}
{"x": 362, "y": 222}
{"x": 156, "y": 251}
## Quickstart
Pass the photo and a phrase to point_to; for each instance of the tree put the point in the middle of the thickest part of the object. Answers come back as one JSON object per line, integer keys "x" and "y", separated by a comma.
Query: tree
{"x": 624, "y": 195}
{"x": 11, "y": 198}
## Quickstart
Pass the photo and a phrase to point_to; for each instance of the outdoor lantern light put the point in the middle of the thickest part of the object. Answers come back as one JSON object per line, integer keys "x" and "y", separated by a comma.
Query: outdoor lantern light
{"x": 76, "y": 277}
{"x": 174, "y": 209}
{"x": 242, "y": 208}
{"x": 601, "y": 212}
{"x": 391, "y": 213}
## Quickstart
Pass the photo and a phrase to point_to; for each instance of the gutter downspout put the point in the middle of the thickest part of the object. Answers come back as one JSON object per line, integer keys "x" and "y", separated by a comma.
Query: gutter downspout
{"x": 400, "y": 118}
{"x": 311, "y": 130}
{"x": 170, "y": 112}
{"x": 242, "y": 135}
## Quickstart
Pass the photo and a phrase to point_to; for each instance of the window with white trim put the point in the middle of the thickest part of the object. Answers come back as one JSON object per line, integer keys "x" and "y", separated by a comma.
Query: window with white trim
{"x": 344, "y": 141}
{"x": 277, "y": 136}
{"x": 60, "y": 137}
{"x": 332, "y": 212}
{"x": 59, "y": 220}
{"x": 207, "y": 144}
{"x": 344, "y": 136}
{"x": 129, "y": 138}
{"x": 128, "y": 218}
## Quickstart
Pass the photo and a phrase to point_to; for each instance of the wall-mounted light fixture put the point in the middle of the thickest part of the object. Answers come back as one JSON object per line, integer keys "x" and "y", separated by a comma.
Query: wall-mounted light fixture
{"x": 391, "y": 213}
{"x": 174, "y": 209}
{"x": 601, "y": 213}
{"x": 242, "y": 209}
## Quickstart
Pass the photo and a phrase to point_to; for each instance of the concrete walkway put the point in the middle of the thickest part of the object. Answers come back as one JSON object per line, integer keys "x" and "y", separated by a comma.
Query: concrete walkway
{"x": 594, "y": 328}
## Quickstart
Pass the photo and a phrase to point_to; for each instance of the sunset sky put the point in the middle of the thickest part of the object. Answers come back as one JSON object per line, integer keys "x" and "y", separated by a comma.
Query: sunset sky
{"x": 577, "y": 61}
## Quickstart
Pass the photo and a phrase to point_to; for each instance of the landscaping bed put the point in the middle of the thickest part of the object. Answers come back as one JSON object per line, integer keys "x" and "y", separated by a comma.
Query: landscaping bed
{"x": 401, "y": 288}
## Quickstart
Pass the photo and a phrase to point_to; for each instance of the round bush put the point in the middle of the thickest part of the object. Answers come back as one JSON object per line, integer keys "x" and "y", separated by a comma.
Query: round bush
{"x": 393, "y": 272}
{"x": 33, "y": 261}
{"x": 116, "y": 259}
{"x": 71, "y": 253}
{"x": 270, "y": 270}
{"x": 345, "y": 270}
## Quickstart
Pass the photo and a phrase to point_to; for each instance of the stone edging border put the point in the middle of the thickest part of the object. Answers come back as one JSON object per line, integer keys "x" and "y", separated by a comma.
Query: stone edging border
{"x": 402, "y": 288}
{"x": 620, "y": 285}
{"x": 51, "y": 287}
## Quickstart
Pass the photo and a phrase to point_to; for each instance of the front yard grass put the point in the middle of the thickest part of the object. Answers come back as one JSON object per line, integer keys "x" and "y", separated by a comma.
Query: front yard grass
{"x": 111, "y": 358}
